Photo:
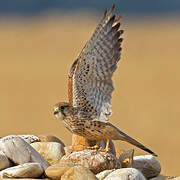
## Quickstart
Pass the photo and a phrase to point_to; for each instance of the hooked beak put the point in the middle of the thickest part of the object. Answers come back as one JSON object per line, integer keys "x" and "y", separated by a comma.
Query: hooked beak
{"x": 55, "y": 112}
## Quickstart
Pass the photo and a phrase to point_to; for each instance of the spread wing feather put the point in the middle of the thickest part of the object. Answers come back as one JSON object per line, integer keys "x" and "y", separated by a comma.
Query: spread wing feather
{"x": 90, "y": 77}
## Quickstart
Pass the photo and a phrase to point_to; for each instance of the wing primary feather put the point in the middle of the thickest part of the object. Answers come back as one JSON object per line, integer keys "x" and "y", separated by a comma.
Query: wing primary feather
{"x": 105, "y": 13}
{"x": 117, "y": 35}
{"x": 118, "y": 18}
{"x": 109, "y": 23}
{"x": 121, "y": 31}
{"x": 113, "y": 7}
{"x": 70, "y": 82}
{"x": 120, "y": 40}
{"x": 116, "y": 27}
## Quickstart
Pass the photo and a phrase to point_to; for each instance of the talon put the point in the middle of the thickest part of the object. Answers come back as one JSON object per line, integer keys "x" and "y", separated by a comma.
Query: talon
{"x": 95, "y": 147}
{"x": 107, "y": 147}
{"x": 103, "y": 150}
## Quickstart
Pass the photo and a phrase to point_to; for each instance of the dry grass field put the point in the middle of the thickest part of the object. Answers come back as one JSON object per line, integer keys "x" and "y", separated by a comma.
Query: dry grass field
{"x": 35, "y": 57}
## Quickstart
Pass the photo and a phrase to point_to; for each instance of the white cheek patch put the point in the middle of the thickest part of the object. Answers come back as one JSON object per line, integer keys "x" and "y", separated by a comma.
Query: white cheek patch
{"x": 59, "y": 115}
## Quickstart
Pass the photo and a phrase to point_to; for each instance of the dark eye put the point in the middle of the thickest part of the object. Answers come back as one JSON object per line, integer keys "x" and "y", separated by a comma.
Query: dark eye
{"x": 62, "y": 108}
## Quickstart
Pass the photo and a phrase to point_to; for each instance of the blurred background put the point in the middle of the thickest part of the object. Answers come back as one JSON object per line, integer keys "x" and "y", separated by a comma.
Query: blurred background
{"x": 39, "y": 41}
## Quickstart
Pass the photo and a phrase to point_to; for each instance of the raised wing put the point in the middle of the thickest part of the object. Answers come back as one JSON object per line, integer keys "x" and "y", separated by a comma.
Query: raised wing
{"x": 90, "y": 83}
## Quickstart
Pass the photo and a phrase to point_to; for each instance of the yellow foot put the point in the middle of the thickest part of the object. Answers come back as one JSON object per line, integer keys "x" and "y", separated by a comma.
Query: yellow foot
{"x": 96, "y": 146}
{"x": 93, "y": 147}
{"x": 107, "y": 147}
{"x": 103, "y": 150}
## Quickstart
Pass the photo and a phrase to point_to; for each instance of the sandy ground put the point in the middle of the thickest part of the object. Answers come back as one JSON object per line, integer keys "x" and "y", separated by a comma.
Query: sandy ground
{"x": 35, "y": 57}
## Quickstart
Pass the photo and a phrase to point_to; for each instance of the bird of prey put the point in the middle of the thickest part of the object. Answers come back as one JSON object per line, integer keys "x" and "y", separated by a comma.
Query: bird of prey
{"x": 90, "y": 86}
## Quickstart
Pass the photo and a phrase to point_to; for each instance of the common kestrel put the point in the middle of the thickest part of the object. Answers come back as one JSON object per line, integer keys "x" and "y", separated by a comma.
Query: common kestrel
{"x": 90, "y": 86}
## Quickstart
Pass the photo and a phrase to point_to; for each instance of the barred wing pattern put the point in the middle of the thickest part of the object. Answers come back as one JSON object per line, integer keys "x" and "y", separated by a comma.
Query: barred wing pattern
{"x": 90, "y": 77}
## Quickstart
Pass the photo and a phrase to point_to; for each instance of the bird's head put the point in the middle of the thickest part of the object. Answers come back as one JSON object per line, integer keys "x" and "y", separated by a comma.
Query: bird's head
{"x": 62, "y": 110}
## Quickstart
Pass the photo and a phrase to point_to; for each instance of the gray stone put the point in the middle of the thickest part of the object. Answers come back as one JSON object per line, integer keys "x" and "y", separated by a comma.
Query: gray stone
{"x": 148, "y": 165}
{"x": 125, "y": 174}
{"x": 29, "y": 138}
{"x": 28, "y": 170}
{"x": 50, "y": 138}
{"x": 4, "y": 161}
{"x": 20, "y": 152}
{"x": 50, "y": 151}
{"x": 126, "y": 158}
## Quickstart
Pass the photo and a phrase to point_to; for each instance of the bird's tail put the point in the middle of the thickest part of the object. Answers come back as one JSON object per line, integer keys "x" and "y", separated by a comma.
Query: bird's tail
{"x": 116, "y": 134}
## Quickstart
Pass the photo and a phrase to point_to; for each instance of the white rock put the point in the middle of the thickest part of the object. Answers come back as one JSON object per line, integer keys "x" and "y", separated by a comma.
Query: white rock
{"x": 28, "y": 170}
{"x": 125, "y": 174}
{"x": 50, "y": 138}
{"x": 103, "y": 174}
{"x": 50, "y": 151}
{"x": 29, "y": 138}
{"x": 4, "y": 161}
{"x": 176, "y": 178}
{"x": 20, "y": 152}
{"x": 148, "y": 165}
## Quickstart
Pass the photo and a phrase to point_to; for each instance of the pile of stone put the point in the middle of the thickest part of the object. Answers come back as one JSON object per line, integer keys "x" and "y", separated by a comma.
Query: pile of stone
{"x": 45, "y": 156}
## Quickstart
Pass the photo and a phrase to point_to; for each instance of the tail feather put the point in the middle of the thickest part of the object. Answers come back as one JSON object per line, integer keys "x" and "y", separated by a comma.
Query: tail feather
{"x": 119, "y": 135}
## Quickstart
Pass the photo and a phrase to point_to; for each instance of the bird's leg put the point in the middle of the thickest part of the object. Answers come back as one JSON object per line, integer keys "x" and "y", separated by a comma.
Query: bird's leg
{"x": 107, "y": 147}
{"x": 95, "y": 146}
